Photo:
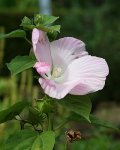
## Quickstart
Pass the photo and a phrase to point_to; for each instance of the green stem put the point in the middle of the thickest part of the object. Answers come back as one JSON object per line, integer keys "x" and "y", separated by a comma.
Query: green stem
{"x": 61, "y": 125}
{"x": 49, "y": 122}
{"x": 22, "y": 84}
{"x": 28, "y": 41}
{"x": 66, "y": 145}
{"x": 2, "y": 45}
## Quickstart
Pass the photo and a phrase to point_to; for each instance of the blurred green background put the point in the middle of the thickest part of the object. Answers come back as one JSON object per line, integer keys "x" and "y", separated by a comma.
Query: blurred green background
{"x": 97, "y": 23}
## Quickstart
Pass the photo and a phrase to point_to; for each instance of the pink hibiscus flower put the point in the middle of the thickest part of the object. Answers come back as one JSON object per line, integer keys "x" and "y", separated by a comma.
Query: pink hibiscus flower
{"x": 66, "y": 67}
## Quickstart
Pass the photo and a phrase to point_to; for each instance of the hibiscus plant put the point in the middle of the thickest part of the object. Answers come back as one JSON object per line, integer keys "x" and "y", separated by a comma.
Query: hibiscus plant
{"x": 66, "y": 73}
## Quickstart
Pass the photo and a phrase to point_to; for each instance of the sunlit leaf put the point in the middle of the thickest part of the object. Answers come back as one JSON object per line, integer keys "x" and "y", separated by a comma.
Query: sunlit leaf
{"x": 20, "y": 63}
{"x": 41, "y": 22}
{"x": 44, "y": 19}
{"x": 49, "y": 19}
{"x": 55, "y": 28}
{"x": 27, "y": 23}
{"x": 26, "y": 20}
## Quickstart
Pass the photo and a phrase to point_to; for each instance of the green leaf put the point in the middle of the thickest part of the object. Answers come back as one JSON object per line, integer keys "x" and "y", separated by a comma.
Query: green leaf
{"x": 45, "y": 106}
{"x": 49, "y": 19}
{"x": 20, "y": 63}
{"x": 27, "y": 24}
{"x": 44, "y": 19}
{"x": 14, "y": 34}
{"x": 26, "y": 21}
{"x": 31, "y": 140}
{"x": 41, "y": 22}
{"x": 35, "y": 116}
{"x": 55, "y": 28}
{"x": 11, "y": 112}
{"x": 78, "y": 104}
{"x": 21, "y": 140}
{"x": 47, "y": 140}
{"x": 93, "y": 120}
{"x": 52, "y": 35}
{"x": 27, "y": 27}
{"x": 51, "y": 29}
{"x": 38, "y": 19}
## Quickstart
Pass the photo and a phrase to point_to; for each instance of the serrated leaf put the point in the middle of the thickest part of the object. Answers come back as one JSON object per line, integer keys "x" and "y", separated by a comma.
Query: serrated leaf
{"x": 31, "y": 140}
{"x": 49, "y": 19}
{"x": 20, "y": 63}
{"x": 26, "y": 20}
{"x": 11, "y": 112}
{"x": 41, "y": 22}
{"x": 55, "y": 28}
{"x": 78, "y": 104}
{"x": 14, "y": 34}
{"x": 93, "y": 120}
{"x": 44, "y": 19}
{"x": 27, "y": 23}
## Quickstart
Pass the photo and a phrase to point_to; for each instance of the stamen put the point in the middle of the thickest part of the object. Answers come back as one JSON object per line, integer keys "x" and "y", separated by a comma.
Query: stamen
{"x": 56, "y": 72}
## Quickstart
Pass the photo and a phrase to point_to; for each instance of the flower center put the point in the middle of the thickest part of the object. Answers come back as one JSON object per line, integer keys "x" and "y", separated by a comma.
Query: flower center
{"x": 57, "y": 71}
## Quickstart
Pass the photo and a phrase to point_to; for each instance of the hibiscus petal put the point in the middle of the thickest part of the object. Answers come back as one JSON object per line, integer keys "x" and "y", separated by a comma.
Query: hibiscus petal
{"x": 41, "y": 46}
{"x": 42, "y": 67}
{"x": 91, "y": 72}
{"x": 55, "y": 90}
{"x": 65, "y": 50}
{"x": 83, "y": 76}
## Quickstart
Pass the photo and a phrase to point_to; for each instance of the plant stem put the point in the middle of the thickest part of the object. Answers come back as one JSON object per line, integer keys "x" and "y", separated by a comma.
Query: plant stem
{"x": 61, "y": 125}
{"x": 28, "y": 41}
{"x": 49, "y": 122}
{"x": 66, "y": 145}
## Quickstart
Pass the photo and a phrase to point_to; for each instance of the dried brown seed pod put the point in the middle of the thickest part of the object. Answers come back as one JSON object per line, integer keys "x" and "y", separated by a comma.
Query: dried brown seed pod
{"x": 73, "y": 135}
